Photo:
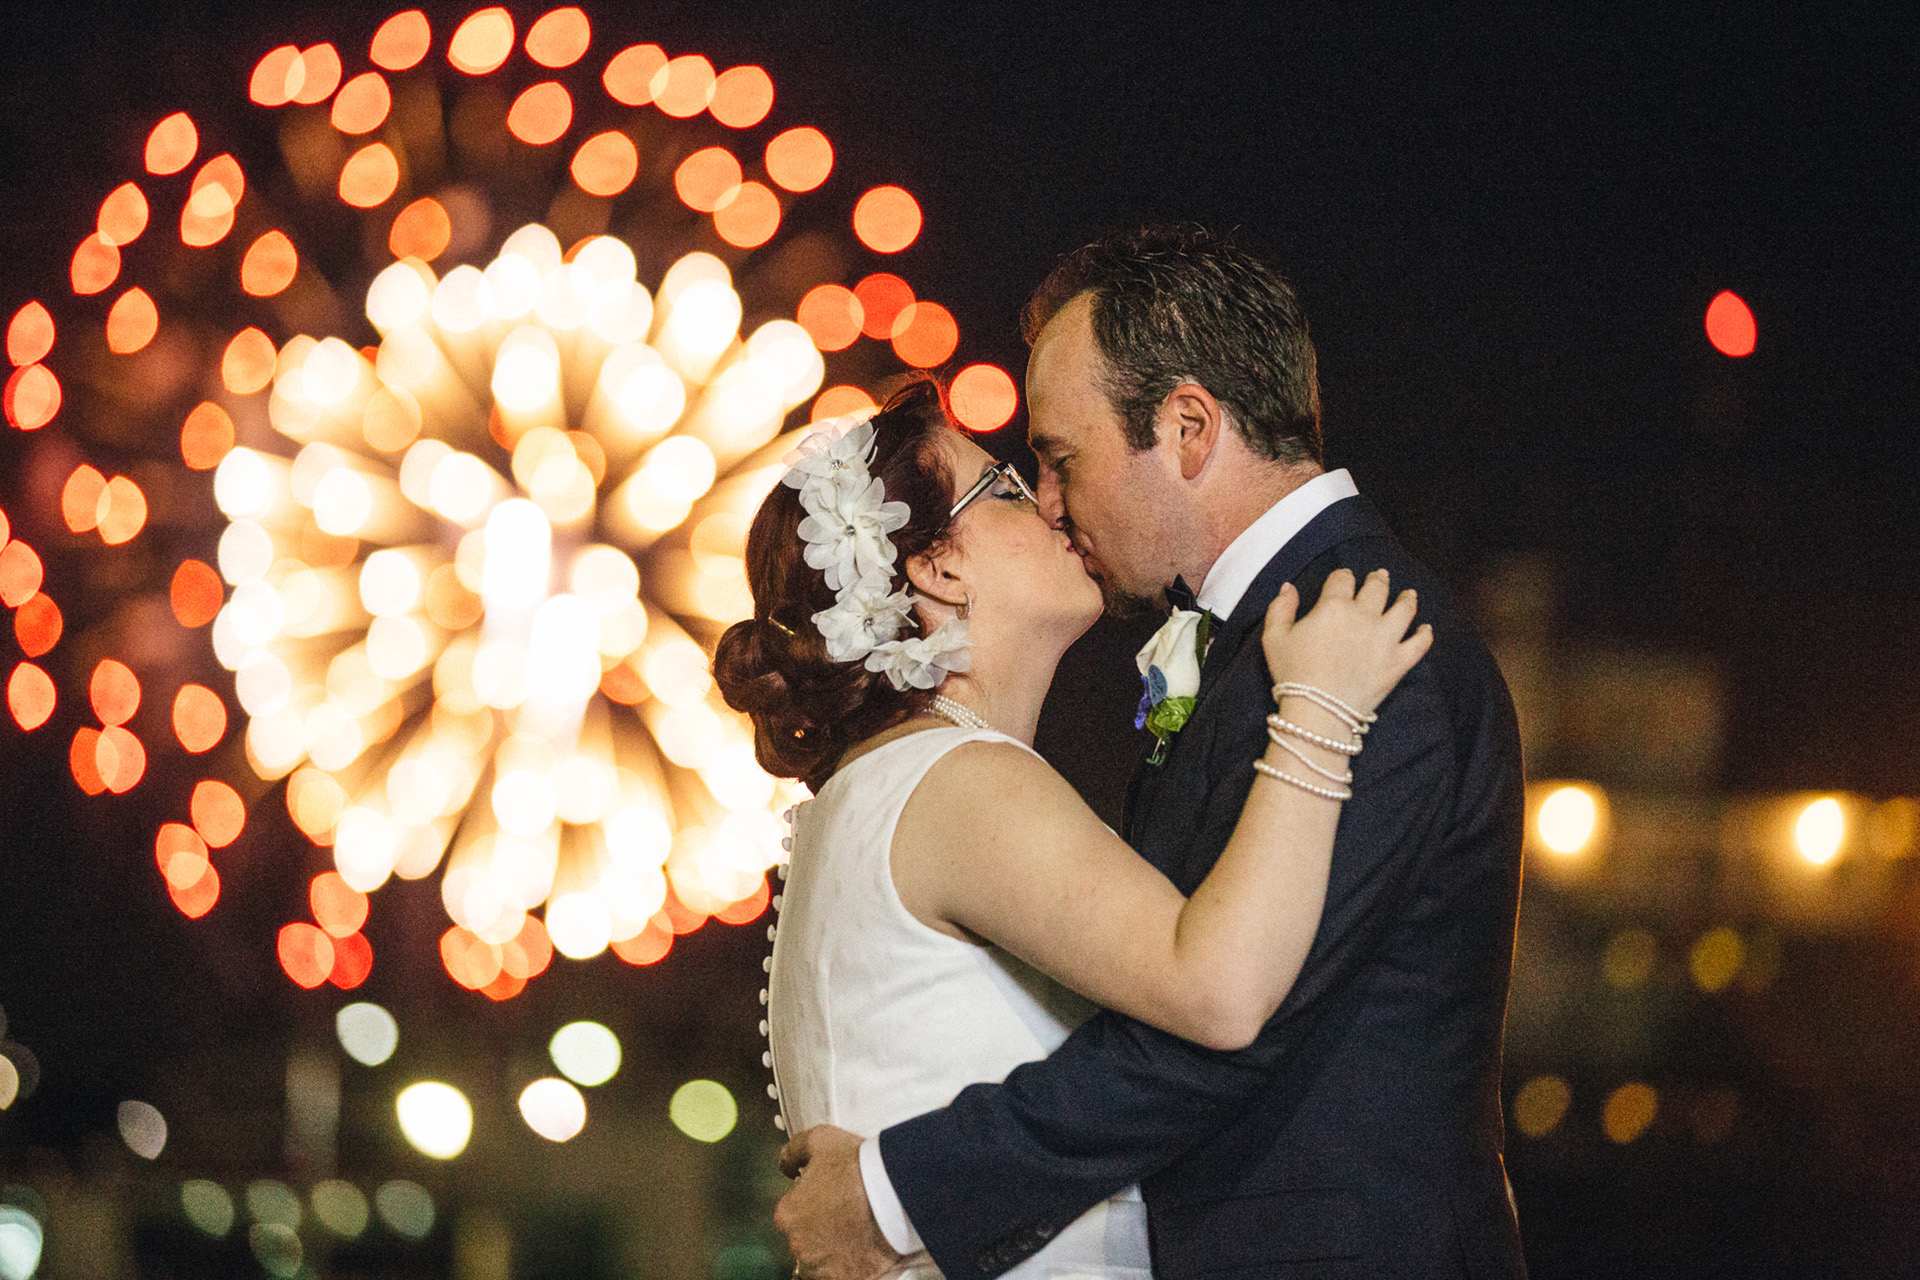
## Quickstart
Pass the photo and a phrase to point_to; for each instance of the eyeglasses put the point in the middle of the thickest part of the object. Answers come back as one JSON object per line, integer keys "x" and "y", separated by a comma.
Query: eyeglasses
{"x": 1000, "y": 480}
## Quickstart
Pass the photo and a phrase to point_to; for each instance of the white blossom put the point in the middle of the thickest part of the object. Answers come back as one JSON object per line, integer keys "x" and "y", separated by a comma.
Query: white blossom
{"x": 846, "y": 533}
{"x": 923, "y": 662}
{"x": 867, "y": 614}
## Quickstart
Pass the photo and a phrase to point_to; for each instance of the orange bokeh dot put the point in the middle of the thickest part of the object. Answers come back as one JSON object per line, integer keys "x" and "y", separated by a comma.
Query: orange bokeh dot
{"x": 132, "y": 322}
{"x": 83, "y": 761}
{"x": 882, "y": 298}
{"x": 680, "y": 917}
{"x": 831, "y": 315}
{"x": 392, "y": 420}
{"x": 749, "y": 219}
{"x": 925, "y": 334}
{"x": 248, "y": 363}
{"x": 401, "y": 41}
{"x": 123, "y": 511}
{"x": 196, "y": 594}
{"x": 198, "y": 898}
{"x": 306, "y": 953}
{"x": 114, "y": 692}
{"x": 1730, "y": 326}
{"x": 887, "y": 219}
{"x": 123, "y": 215}
{"x": 319, "y": 74}
{"x": 528, "y": 953}
{"x": 96, "y": 264}
{"x": 541, "y": 114}
{"x": 218, "y": 813}
{"x": 276, "y": 76}
{"x": 338, "y": 907}
{"x": 20, "y": 574}
{"x": 206, "y": 437}
{"x": 80, "y": 499}
{"x": 482, "y": 42}
{"x": 172, "y": 144}
{"x": 352, "y": 961}
{"x": 315, "y": 802}
{"x": 622, "y": 684}
{"x": 606, "y": 164}
{"x": 215, "y": 195}
{"x": 32, "y": 397}
{"x": 469, "y": 959}
{"x": 422, "y": 230}
{"x": 629, "y": 76}
{"x": 30, "y": 696}
{"x": 29, "y": 334}
{"x": 742, "y": 96}
{"x": 37, "y": 626}
{"x": 120, "y": 758}
{"x": 838, "y": 401}
{"x": 270, "y": 265}
{"x": 180, "y": 853}
{"x": 800, "y": 159}
{"x": 6, "y": 529}
{"x": 648, "y": 946}
{"x": 706, "y": 178}
{"x": 983, "y": 397}
{"x": 363, "y": 104}
{"x": 560, "y": 38}
{"x": 747, "y": 909}
{"x": 504, "y": 987}
{"x": 684, "y": 86}
{"x": 199, "y": 718}
{"x": 370, "y": 176}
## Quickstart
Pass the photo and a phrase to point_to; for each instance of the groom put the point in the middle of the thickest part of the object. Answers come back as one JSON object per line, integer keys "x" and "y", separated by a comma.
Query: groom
{"x": 1175, "y": 411}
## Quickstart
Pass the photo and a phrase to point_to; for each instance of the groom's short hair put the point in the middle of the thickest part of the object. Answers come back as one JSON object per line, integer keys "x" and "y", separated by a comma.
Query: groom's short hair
{"x": 1180, "y": 303}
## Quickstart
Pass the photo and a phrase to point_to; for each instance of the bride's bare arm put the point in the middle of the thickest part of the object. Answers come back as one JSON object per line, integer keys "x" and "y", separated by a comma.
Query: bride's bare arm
{"x": 996, "y": 844}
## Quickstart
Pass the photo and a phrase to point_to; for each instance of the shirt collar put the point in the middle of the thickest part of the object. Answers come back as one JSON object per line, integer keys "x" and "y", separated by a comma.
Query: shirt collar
{"x": 1261, "y": 541}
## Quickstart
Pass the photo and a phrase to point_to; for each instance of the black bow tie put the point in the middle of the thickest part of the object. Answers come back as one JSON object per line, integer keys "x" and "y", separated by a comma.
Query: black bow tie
{"x": 1180, "y": 595}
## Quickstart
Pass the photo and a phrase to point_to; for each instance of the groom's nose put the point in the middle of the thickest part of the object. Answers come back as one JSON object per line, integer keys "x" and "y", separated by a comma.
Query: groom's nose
{"x": 1053, "y": 506}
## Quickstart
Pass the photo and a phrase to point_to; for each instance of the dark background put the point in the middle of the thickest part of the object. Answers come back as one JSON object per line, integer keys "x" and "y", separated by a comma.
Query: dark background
{"x": 1506, "y": 223}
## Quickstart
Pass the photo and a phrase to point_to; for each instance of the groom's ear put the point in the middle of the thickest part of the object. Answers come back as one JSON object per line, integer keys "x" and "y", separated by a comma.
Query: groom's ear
{"x": 1193, "y": 419}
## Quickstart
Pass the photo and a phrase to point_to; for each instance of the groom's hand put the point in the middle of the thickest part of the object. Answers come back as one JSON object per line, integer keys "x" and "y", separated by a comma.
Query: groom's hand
{"x": 828, "y": 1224}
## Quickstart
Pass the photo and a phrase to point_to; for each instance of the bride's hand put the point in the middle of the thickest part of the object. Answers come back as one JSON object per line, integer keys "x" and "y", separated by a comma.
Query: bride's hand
{"x": 1353, "y": 644}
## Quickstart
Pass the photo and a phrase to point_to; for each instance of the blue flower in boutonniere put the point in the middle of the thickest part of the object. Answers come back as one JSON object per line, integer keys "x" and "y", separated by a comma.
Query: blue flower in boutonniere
{"x": 1170, "y": 666}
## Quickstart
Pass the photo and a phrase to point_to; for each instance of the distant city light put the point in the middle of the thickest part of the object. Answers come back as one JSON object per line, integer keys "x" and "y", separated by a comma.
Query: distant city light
{"x": 1568, "y": 819}
{"x": 275, "y": 1202}
{"x": 208, "y": 1207}
{"x": 703, "y": 1110}
{"x": 436, "y": 1118}
{"x": 586, "y": 1053}
{"x": 1716, "y": 959}
{"x": 553, "y": 1109}
{"x": 340, "y": 1208}
{"x": 1730, "y": 326}
{"x": 367, "y": 1032}
{"x": 1820, "y": 831}
{"x": 143, "y": 1129}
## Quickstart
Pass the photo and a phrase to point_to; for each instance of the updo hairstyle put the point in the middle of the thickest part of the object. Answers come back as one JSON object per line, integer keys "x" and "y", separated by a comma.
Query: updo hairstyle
{"x": 806, "y": 708}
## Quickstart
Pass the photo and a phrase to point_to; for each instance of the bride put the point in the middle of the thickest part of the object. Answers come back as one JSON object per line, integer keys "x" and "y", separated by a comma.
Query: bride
{"x": 952, "y": 907}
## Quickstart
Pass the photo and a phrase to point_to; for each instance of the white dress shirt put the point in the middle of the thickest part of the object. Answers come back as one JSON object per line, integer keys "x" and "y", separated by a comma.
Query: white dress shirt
{"x": 1226, "y": 582}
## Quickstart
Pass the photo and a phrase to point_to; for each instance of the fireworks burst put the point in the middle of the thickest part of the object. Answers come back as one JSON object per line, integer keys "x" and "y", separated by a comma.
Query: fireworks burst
{"x": 484, "y": 489}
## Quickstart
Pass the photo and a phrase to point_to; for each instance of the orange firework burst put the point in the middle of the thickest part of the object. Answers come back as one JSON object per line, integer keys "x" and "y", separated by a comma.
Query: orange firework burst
{"x": 484, "y": 373}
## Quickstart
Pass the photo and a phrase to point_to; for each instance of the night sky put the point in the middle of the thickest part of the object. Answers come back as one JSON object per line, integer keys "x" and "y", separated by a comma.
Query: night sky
{"x": 1505, "y": 224}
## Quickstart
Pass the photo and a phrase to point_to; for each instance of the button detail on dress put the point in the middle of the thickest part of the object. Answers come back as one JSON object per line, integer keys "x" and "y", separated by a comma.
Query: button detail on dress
{"x": 763, "y": 995}
{"x": 766, "y": 1059}
{"x": 773, "y": 1091}
{"x": 763, "y": 1026}
{"x": 766, "y": 966}
{"x": 779, "y": 899}
{"x": 780, "y": 1123}
{"x": 772, "y": 932}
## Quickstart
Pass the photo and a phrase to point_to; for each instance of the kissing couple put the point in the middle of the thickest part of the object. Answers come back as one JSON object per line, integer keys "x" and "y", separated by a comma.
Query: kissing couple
{"x": 1256, "y": 1034}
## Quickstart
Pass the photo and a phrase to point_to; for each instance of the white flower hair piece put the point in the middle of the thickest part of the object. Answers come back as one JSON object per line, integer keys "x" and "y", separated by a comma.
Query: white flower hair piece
{"x": 846, "y": 526}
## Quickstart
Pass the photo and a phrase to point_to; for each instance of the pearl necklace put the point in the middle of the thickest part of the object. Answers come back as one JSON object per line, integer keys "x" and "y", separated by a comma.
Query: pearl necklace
{"x": 948, "y": 709}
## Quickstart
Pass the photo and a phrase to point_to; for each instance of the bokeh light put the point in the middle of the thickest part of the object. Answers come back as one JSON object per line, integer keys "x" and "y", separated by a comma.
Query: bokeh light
{"x": 1730, "y": 325}
{"x": 406, "y": 1207}
{"x": 367, "y": 1032}
{"x": 887, "y": 219}
{"x": 1568, "y": 819}
{"x": 436, "y": 1118}
{"x": 1540, "y": 1105}
{"x": 208, "y": 1207}
{"x": 1716, "y": 959}
{"x": 142, "y": 1128}
{"x": 553, "y": 1109}
{"x": 21, "y": 1241}
{"x": 340, "y": 1208}
{"x": 983, "y": 397}
{"x": 1820, "y": 831}
{"x": 704, "y": 1110}
{"x": 586, "y": 1053}
{"x": 1629, "y": 1111}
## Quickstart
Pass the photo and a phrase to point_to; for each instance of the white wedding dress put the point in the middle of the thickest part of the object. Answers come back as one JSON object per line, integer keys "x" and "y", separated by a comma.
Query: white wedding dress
{"x": 875, "y": 1017}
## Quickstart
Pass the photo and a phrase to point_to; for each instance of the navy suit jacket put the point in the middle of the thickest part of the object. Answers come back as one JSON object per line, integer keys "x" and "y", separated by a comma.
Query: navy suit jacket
{"x": 1361, "y": 1134}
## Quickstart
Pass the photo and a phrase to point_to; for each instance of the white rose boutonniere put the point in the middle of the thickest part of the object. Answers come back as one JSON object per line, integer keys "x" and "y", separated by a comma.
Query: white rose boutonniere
{"x": 1170, "y": 666}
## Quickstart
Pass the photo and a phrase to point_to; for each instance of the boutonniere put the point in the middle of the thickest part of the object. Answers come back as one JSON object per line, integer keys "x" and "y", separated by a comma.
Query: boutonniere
{"x": 1170, "y": 666}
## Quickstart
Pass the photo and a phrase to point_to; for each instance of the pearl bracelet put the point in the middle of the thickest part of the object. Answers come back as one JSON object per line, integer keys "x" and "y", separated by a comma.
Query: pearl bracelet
{"x": 1285, "y": 725}
{"x": 1358, "y": 722}
{"x": 1261, "y": 766}
{"x": 1346, "y": 779}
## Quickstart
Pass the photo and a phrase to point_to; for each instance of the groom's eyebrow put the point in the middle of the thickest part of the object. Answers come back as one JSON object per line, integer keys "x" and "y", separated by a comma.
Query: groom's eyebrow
{"x": 1042, "y": 444}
